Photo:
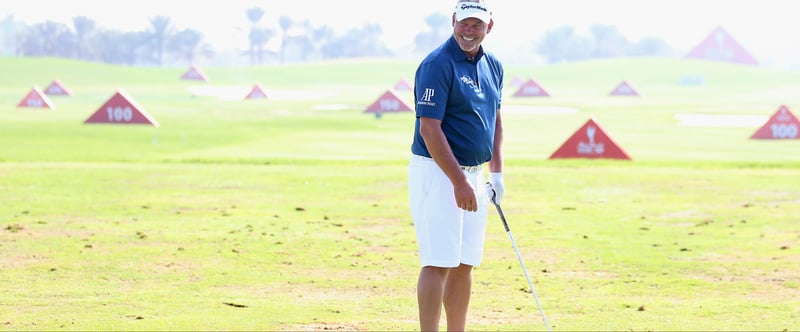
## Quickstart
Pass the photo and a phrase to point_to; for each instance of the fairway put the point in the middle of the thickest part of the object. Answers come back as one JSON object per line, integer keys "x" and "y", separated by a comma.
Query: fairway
{"x": 291, "y": 213}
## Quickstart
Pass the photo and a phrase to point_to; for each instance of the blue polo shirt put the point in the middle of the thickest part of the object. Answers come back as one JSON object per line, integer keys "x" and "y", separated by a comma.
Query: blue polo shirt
{"x": 465, "y": 94}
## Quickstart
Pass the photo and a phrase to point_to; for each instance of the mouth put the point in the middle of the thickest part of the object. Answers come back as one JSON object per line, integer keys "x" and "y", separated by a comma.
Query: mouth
{"x": 469, "y": 39}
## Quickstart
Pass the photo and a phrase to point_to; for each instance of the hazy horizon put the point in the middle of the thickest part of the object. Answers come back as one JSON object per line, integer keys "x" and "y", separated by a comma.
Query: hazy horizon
{"x": 764, "y": 28}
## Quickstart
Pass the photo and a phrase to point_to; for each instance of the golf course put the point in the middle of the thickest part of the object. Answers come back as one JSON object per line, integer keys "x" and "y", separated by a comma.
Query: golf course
{"x": 291, "y": 212}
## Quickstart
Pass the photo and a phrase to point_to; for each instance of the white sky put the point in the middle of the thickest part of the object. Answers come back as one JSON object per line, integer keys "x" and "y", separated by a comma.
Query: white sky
{"x": 766, "y": 28}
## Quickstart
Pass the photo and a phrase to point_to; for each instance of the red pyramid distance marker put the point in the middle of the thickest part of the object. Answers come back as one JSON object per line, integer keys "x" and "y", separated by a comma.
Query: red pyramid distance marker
{"x": 56, "y": 88}
{"x": 782, "y": 125}
{"x": 517, "y": 82}
{"x": 389, "y": 102}
{"x": 624, "y": 89}
{"x": 591, "y": 142}
{"x": 257, "y": 92}
{"x": 36, "y": 98}
{"x": 121, "y": 109}
{"x": 720, "y": 46}
{"x": 403, "y": 85}
{"x": 194, "y": 74}
{"x": 531, "y": 89}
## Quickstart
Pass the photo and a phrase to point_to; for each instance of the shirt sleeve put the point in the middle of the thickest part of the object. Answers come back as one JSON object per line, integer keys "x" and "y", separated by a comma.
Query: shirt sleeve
{"x": 431, "y": 89}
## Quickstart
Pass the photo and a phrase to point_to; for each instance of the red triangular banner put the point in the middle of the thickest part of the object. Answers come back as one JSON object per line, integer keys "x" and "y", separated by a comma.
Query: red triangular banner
{"x": 56, "y": 88}
{"x": 531, "y": 89}
{"x": 389, "y": 102}
{"x": 194, "y": 74}
{"x": 403, "y": 85}
{"x": 516, "y": 82}
{"x": 36, "y": 98}
{"x": 590, "y": 141}
{"x": 782, "y": 125}
{"x": 121, "y": 109}
{"x": 720, "y": 46}
{"x": 624, "y": 89}
{"x": 257, "y": 92}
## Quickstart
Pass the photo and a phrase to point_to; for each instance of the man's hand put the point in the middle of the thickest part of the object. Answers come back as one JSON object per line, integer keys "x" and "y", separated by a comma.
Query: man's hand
{"x": 496, "y": 179}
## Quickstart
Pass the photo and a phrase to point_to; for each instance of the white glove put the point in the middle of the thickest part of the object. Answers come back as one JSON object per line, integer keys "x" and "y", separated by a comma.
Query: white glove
{"x": 496, "y": 179}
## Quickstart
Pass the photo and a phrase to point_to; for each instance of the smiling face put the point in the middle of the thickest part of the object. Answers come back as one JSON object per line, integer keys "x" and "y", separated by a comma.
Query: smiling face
{"x": 469, "y": 33}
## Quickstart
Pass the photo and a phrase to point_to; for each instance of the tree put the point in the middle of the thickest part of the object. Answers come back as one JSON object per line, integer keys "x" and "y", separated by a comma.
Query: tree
{"x": 439, "y": 29}
{"x": 84, "y": 29}
{"x": 121, "y": 47}
{"x": 563, "y": 44}
{"x": 258, "y": 37}
{"x": 161, "y": 31}
{"x": 48, "y": 39}
{"x": 365, "y": 41}
{"x": 285, "y": 23}
{"x": 608, "y": 41}
{"x": 188, "y": 44}
{"x": 651, "y": 46}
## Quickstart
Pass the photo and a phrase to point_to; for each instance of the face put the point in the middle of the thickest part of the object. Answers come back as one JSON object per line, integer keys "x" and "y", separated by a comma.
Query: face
{"x": 469, "y": 34}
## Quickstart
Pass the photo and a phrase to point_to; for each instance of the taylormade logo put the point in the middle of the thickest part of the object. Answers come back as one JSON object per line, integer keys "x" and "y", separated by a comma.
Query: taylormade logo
{"x": 469, "y": 6}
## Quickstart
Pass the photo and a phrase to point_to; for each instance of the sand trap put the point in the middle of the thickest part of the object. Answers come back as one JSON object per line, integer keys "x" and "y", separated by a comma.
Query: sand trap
{"x": 537, "y": 109}
{"x": 720, "y": 120}
{"x": 239, "y": 92}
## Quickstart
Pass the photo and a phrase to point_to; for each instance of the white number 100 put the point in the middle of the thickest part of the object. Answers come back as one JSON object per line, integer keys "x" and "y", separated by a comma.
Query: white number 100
{"x": 119, "y": 114}
{"x": 784, "y": 131}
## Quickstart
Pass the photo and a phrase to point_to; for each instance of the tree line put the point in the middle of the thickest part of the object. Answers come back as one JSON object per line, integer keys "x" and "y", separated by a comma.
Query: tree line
{"x": 162, "y": 43}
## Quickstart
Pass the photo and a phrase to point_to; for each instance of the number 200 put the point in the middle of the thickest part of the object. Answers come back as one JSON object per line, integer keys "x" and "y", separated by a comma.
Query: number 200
{"x": 119, "y": 114}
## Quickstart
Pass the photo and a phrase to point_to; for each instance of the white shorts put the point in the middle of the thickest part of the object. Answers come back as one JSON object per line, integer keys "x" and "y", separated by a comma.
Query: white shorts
{"x": 447, "y": 236}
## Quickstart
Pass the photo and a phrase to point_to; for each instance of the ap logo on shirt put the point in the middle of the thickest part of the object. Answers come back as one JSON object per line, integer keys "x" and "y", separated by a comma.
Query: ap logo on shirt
{"x": 427, "y": 97}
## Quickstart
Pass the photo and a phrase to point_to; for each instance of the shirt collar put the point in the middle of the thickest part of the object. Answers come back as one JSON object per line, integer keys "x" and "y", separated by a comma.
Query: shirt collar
{"x": 458, "y": 54}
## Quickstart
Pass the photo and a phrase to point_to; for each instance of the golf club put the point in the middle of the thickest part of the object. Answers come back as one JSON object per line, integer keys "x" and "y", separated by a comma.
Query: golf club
{"x": 492, "y": 196}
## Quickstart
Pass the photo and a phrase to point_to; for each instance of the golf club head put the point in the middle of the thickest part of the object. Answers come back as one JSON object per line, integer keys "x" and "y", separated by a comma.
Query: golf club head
{"x": 490, "y": 191}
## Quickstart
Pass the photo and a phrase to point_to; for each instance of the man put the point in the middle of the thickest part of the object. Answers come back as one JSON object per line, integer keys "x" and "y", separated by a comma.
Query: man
{"x": 458, "y": 90}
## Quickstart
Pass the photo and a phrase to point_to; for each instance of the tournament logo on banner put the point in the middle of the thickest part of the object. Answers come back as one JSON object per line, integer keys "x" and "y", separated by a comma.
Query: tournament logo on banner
{"x": 121, "y": 109}
{"x": 624, "y": 89}
{"x": 592, "y": 142}
{"x": 257, "y": 92}
{"x": 782, "y": 125}
{"x": 403, "y": 85}
{"x": 389, "y": 102}
{"x": 194, "y": 74}
{"x": 531, "y": 89}
{"x": 36, "y": 99}
{"x": 56, "y": 88}
{"x": 720, "y": 46}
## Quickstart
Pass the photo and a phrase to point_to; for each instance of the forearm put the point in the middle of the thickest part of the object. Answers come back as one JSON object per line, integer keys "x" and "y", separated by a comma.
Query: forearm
{"x": 496, "y": 164}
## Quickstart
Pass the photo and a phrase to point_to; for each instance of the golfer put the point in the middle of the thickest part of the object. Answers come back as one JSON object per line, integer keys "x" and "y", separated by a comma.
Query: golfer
{"x": 458, "y": 129}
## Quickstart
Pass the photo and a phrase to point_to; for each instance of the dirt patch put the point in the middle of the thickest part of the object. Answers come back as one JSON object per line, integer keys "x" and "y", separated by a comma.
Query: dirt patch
{"x": 324, "y": 327}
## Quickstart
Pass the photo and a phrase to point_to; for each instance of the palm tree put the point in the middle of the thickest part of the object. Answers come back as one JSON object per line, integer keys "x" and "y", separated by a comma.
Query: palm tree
{"x": 84, "y": 28}
{"x": 159, "y": 35}
{"x": 188, "y": 44}
{"x": 285, "y": 23}
{"x": 257, "y": 38}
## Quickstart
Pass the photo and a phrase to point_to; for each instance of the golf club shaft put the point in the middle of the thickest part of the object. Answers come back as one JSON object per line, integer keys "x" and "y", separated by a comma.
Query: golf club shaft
{"x": 522, "y": 263}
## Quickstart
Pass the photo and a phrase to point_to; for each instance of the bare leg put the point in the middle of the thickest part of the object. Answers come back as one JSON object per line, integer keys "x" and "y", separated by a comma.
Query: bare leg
{"x": 457, "y": 291}
{"x": 430, "y": 295}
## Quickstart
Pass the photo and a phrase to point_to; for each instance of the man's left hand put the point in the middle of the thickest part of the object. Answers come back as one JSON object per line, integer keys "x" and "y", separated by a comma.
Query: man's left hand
{"x": 496, "y": 179}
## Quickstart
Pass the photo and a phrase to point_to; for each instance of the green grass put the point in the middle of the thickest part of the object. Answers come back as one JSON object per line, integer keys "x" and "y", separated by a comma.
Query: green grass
{"x": 286, "y": 214}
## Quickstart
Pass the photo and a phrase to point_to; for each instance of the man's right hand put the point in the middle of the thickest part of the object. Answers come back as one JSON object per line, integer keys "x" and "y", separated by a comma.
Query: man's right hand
{"x": 465, "y": 196}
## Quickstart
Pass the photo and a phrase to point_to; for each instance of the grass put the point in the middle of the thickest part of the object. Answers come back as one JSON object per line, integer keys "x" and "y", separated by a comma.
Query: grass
{"x": 284, "y": 215}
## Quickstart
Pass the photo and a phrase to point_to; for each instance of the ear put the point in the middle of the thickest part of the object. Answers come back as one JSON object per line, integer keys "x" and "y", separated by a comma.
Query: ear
{"x": 454, "y": 20}
{"x": 491, "y": 24}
